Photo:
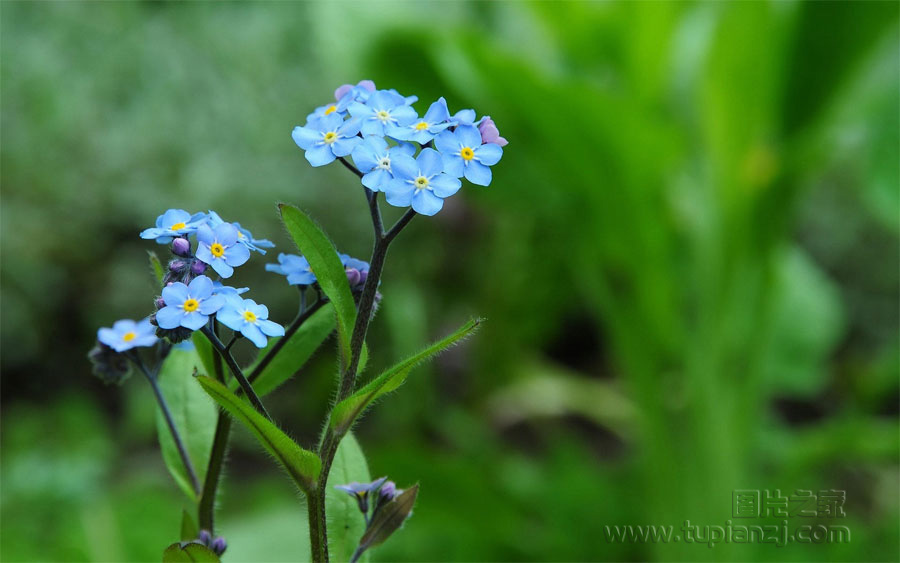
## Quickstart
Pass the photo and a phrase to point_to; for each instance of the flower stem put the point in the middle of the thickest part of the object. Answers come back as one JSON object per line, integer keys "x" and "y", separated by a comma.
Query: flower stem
{"x": 207, "y": 504}
{"x": 236, "y": 371}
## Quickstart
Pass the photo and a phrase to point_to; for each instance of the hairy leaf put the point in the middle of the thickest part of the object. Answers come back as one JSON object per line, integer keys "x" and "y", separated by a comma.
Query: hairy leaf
{"x": 176, "y": 553}
{"x": 345, "y": 523}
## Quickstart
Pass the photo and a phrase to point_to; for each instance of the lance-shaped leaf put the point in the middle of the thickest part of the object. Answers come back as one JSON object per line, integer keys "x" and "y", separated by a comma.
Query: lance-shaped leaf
{"x": 189, "y": 528}
{"x": 326, "y": 265}
{"x": 302, "y": 465}
{"x": 188, "y": 552}
{"x": 388, "y": 519}
{"x": 156, "y": 266}
{"x": 205, "y": 352}
{"x": 347, "y": 411}
{"x": 295, "y": 352}
{"x": 345, "y": 524}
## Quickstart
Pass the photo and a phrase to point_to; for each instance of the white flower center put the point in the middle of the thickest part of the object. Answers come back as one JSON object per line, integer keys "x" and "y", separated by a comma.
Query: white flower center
{"x": 383, "y": 115}
{"x": 421, "y": 183}
{"x": 385, "y": 163}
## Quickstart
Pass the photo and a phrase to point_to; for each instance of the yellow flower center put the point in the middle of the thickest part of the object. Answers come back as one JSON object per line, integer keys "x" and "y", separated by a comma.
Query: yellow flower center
{"x": 467, "y": 153}
{"x": 249, "y": 316}
{"x": 383, "y": 115}
{"x": 421, "y": 125}
{"x": 331, "y": 109}
{"x": 217, "y": 250}
{"x": 330, "y": 137}
{"x": 421, "y": 183}
{"x": 190, "y": 305}
{"x": 178, "y": 226}
{"x": 128, "y": 336}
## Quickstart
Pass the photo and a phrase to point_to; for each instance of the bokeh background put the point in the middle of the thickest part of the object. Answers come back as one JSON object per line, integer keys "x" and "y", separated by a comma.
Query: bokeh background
{"x": 688, "y": 260}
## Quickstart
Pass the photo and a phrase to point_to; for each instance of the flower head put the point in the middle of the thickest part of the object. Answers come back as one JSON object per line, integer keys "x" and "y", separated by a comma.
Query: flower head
{"x": 173, "y": 223}
{"x": 384, "y": 113}
{"x": 327, "y": 138}
{"x": 296, "y": 268}
{"x": 421, "y": 183}
{"x": 127, "y": 334}
{"x": 357, "y": 271}
{"x": 245, "y": 237}
{"x": 220, "y": 249}
{"x": 422, "y": 130}
{"x": 361, "y": 492}
{"x": 489, "y": 132}
{"x": 188, "y": 306}
{"x": 360, "y": 92}
{"x": 465, "y": 154}
{"x": 463, "y": 117}
{"x": 373, "y": 157}
{"x": 221, "y": 289}
{"x": 250, "y": 319}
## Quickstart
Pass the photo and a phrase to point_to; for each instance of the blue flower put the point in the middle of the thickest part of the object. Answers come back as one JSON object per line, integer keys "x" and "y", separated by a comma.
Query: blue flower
{"x": 373, "y": 157}
{"x": 250, "y": 319}
{"x": 422, "y": 130}
{"x": 465, "y": 155}
{"x": 421, "y": 183}
{"x": 221, "y": 289}
{"x": 127, "y": 334}
{"x": 361, "y": 492}
{"x": 296, "y": 268}
{"x": 384, "y": 113}
{"x": 464, "y": 117}
{"x": 357, "y": 271}
{"x": 173, "y": 223}
{"x": 327, "y": 138}
{"x": 359, "y": 93}
{"x": 220, "y": 248}
{"x": 188, "y": 305}
{"x": 245, "y": 237}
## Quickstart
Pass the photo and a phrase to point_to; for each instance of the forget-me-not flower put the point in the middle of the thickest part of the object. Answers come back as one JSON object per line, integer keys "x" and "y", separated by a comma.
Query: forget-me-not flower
{"x": 464, "y": 154}
{"x": 174, "y": 223}
{"x": 373, "y": 157}
{"x": 188, "y": 305}
{"x": 463, "y": 117}
{"x": 359, "y": 93}
{"x": 296, "y": 268}
{"x": 245, "y": 237}
{"x": 127, "y": 334}
{"x": 250, "y": 319}
{"x": 422, "y": 130}
{"x": 384, "y": 113}
{"x": 221, "y": 289}
{"x": 327, "y": 138}
{"x": 421, "y": 183}
{"x": 220, "y": 249}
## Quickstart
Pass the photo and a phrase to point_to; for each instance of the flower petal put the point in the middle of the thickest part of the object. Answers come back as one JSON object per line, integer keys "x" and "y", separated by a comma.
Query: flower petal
{"x": 429, "y": 161}
{"x": 446, "y": 142}
{"x": 426, "y": 203}
{"x": 194, "y": 320}
{"x": 478, "y": 173}
{"x": 254, "y": 335}
{"x": 468, "y": 136}
{"x": 174, "y": 295}
{"x": 445, "y": 185}
{"x": 169, "y": 317}
{"x": 306, "y": 137}
{"x": 270, "y": 328}
{"x": 489, "y": 153}
{"x": 230, "y": 317}
{"x": 201, "y": 287}
{"x": 237, "y": 255}
{"x": 453, "y": 165}
{"x": 320, "y": 155}
{"x": 404, "y": 167}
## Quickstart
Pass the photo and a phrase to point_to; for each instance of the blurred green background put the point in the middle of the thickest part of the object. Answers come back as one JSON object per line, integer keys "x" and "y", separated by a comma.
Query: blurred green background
{"x": 688, "y": 259}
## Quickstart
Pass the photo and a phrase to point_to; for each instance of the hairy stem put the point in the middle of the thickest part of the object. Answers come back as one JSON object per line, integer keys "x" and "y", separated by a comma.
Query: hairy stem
{"x": 206, "y": 507}
{"x": 236, "y": 371}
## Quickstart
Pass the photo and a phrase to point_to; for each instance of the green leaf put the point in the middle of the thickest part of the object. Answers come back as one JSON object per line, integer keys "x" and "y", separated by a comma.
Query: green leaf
{"x": 345, "y": 523}
{"x": 189, "y": 528}
{"x": 296, "y": 352}
{"x": 204, "y": 352}
{"x": 193, "y": 413}
{"x": 156, "y": 266}
{"x": 348, "y": 410}
{"x": 389, "y": 518}
{"x": 302, "y": 465}
{"x": 175, "y": 553}
{"x": 325, "y": 263}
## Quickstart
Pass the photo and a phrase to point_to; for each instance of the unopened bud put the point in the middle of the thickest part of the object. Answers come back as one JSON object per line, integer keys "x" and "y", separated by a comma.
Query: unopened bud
{"x": 176, "y": 265}
{"x": 204, "y": 537}
{"x": 353, "y": 276}
{"x": 198, "y": 267}
{"x": 160, "y": 302}
{"x": 363, "y": 276}
{"x": 181, "y": 247}
{"x": 219, "y": 545}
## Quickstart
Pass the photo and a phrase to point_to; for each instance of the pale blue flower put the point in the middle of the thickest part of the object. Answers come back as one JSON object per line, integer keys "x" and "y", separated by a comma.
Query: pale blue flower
{"x": 245, "y": 237}
{"x": 250, "y": 319}
{"x": 327, "y": 138}
{"x": 174, "y": 223}
{"x": 221, "y": 289}
{"x": 220, "y": 249}
{"x": 421, "y": 183}
{"x": 188, "y": 305}
{"x": 373, "y": 157}
{"x": 127, "y": 334}
{"x": 465, "y": 154}
{"x": 296, "y": 268}
{"x": 384, "y": 113}
{"x": 422, "y": 130}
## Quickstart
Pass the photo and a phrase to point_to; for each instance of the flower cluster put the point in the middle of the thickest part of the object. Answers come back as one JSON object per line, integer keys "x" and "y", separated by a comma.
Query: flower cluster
{"x": 415, "y": 160}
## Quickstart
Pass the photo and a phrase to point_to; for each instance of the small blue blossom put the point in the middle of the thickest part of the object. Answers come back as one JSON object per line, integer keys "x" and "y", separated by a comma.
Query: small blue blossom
{"x": 422, "y": 130}
{"x": 384, "y": 113}
{"x": 361, "y": 492}
{"x": 173, "y": 223}
{"x": 250, "y": 319}
{"x": 127, "y": 334}
{"x": 421, "y": 183}
{"x": 188, "y": 306}
{"x": 359, "y": 93}
{"x": 327, "y": 138}
{"x": 296, "y": 268}
{"x": 245, "y": 237}
{"x": 220, "y": 249}
{"x": 373, "y": 157}
{"x": 464, "y": 117}
{"x": 221, "y": 289}
{"x": 464, "y": 154}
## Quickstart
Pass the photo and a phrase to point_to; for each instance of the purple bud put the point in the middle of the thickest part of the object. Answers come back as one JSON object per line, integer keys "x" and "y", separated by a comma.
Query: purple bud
{"x": 388, "y": 490}
{"x": 363, "y": 276}
{"x": 160, "y": 302}
{"x": 344, "y": 88}
{"x": 198, "y": 267}
{"x": 204, "y": 537}
{"x": 490, "y": 133}
{"x": 352, "y": 276}
{"x": 181, "y": 247}
{"x": 219, "y": 545}
{"x": 176, "y": 265}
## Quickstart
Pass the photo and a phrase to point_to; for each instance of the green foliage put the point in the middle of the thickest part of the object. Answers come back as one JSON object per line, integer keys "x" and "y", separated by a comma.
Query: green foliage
{"x": 326, "y": 265}
{"x": 295, "y": 353}
{"x": 345, "y": 523}
{"x": 389, "y": 518}
{"x": 156, "y": 266}
{"x": 176, "y": 553}
{"x": 189, "y": 528}
{"x": 347, "y": 411}
{"x": 302, "y": 465}
{"x": 194, "y": 416}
